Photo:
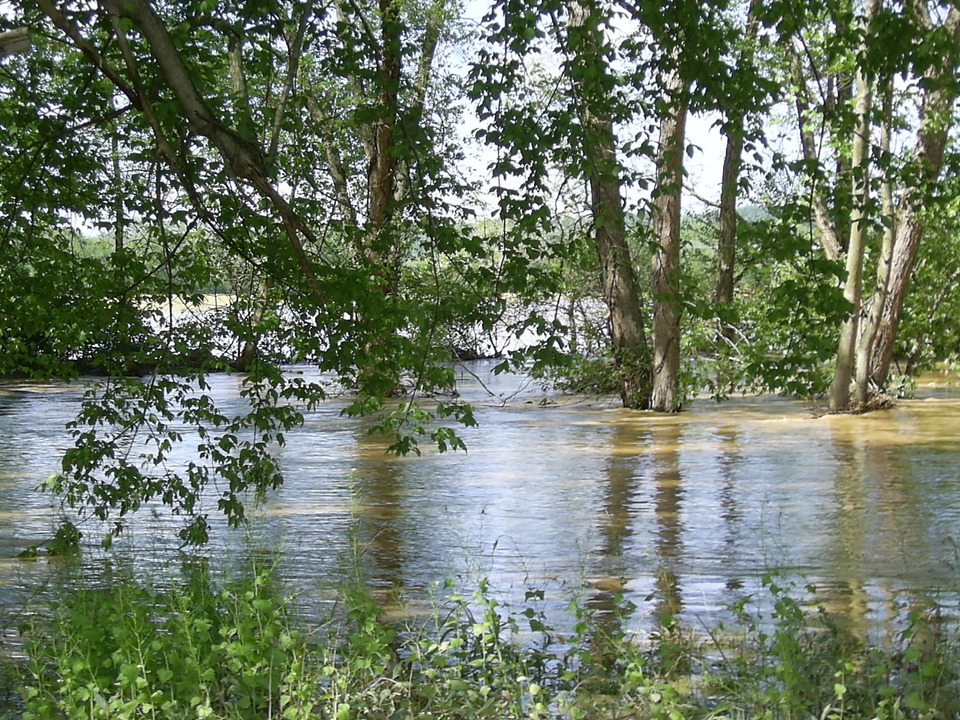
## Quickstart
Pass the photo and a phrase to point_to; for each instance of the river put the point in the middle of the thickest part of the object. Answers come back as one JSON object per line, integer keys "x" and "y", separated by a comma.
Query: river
{"x": 683, "y": 514}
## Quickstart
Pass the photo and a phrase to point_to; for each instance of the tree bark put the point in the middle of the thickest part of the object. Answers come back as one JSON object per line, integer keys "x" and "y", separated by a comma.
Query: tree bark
{"x": 868, "y": 331}
{"x": 730, "y": 185}
{"x": 939, "y": 95}
{"x": 909, "y": 234}
{"x": 382, "y": 180}
{"x": 606, "y": 205}
{"x": 665, "y": 395}
{"x": 860, "y": 172}
{"x": 727, "y": 238}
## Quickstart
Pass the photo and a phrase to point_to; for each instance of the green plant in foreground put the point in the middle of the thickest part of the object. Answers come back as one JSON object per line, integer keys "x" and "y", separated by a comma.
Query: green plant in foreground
{"x": 232, "y": 650}
{"x": 124, "y": 650}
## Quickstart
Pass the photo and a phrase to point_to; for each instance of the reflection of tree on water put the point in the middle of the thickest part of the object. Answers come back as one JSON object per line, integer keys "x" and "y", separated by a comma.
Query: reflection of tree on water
{"x": 640, "y": 457}
{"x": 620, "y": 499}
{"x": 379, "y": 494}
{"x": 668, "y": 502}
{"x": 850, "y": 533}
{"x": 875, "y": 516}
{"x": 728, "y": 463}
{"x": 623, "y": 468}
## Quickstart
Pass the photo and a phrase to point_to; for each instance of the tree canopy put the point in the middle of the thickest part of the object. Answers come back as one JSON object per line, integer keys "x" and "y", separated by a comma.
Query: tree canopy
{"x": 378, "y": 188}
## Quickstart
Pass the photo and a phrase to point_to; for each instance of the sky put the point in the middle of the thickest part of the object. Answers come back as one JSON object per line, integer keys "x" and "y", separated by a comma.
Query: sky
{"x": 704, "y": 168}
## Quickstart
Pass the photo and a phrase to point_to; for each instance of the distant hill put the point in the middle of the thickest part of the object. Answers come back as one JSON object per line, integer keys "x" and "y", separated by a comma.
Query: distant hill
{"x": 754, "y": 213}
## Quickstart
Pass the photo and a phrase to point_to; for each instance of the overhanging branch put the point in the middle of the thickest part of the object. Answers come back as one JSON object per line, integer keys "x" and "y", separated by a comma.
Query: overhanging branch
{"x": 14, "y": 41}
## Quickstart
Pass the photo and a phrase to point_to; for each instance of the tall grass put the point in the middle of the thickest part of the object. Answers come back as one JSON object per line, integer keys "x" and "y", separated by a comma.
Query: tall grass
{"x": 207, "y": 648}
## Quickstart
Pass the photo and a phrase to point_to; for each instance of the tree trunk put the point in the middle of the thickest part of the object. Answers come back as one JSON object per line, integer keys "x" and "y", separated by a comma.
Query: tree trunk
{"x": 382, "y": 180}
{"x": 939, "y": 96}
{"x": 829, "y": 237}
{"x": 730, "y": 185}
{"x": 665, "y": 396}
{"x": 868, "y": 331}
{"x": 727, "y": 239}
{"x": 909, "y": 234}
{"x": 606, "y": 204}
{"x": 860, "y": 172}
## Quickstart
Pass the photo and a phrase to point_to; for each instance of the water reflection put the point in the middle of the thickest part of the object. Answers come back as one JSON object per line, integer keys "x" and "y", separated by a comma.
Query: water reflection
{"x": 622, "y": 471}
{"x": 620, "y": 504}
{"x": 690, "y": 510}
{"x": 665, "y": 442}
{"x": 380, "y": 498}
{"x": 728, "y": 465}
{"x": 848, "y": 546}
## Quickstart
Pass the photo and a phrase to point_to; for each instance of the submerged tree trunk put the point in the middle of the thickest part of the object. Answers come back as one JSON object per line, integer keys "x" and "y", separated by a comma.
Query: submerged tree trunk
{"x": 860, "y": 171}
{"x": 665, "y": 395}
{"x": 606, "y": 204}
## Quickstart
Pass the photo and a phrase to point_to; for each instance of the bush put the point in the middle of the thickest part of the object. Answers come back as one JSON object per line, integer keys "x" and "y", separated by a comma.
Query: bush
{"x": 121, "y": 649}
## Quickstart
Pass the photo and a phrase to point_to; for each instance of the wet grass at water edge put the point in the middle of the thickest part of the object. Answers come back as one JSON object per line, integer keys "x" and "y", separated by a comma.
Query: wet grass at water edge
{"x": 208, "y": 647}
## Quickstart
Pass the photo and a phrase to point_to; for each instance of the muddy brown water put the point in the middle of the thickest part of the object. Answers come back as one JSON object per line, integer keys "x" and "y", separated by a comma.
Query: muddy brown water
{"x": 682, "y": 514}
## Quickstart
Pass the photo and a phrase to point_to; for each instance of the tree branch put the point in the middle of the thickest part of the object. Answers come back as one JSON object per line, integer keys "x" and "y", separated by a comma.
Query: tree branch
{"x": 295, "y": 50}
{"x": 14, "y": 41}
{"x": 828, "y": 230}
{"x": 73, "y": 32}
{"x": 241, "y": 156}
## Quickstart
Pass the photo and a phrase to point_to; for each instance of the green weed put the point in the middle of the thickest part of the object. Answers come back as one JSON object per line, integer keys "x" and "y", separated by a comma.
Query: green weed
{"x": 121, "y": 649}
{"x": 232, "y": 650}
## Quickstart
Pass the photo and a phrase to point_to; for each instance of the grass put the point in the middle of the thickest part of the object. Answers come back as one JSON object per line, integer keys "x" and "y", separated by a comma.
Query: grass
{"x": 205, "y": 647}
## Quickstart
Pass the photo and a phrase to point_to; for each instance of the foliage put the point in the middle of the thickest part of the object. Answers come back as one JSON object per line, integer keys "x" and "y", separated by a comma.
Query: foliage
{"x": 121, "y": 649}
{"x": 929, "y": 332}
{"x": 148, "y": 418}
{"x": 309, "y": 160}
{"x": 788, "y": 309}
{"x": 102, "y": 119}
{"x": 231, "y": 649}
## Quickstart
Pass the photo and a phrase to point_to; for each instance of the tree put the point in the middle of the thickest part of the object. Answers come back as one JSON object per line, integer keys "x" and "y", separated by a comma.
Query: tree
{"x": 859, "y": 219}
{"x": 939, "y": 94}
{"x": 666, "y": 258}
{"x": 200, "y": 127}
{"x": 592, "y": 84}
{"x": 642, "y": 82}
{"x": 890, "y": 43}
{"x": 686, "y": 49}
{"x": 307, "y": 154}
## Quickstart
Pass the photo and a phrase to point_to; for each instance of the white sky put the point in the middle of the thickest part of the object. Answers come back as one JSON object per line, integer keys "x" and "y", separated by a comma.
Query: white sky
{"x": 704, "y": 169}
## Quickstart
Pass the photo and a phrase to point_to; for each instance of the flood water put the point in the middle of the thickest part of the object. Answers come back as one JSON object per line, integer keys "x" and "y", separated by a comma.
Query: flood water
{"x": 682, "y": 513}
